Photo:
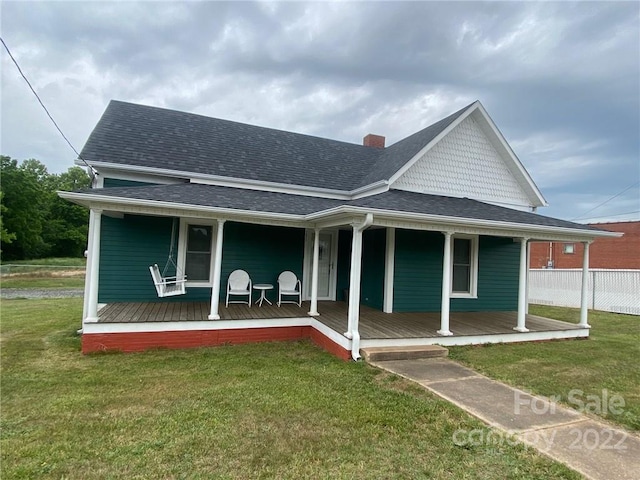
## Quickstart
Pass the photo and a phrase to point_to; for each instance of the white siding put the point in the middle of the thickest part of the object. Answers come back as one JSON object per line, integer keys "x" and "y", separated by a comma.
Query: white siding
{"x": 464, "y": 164}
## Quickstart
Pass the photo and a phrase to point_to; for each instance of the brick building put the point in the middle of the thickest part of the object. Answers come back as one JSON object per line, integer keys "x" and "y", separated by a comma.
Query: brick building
{"x": 619, "y": 253}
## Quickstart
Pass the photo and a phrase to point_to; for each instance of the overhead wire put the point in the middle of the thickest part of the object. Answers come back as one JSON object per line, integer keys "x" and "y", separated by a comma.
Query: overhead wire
{"x": 607, "y": 216}
{"x": 93, "y": 170}
{"x": 579, "y": 217}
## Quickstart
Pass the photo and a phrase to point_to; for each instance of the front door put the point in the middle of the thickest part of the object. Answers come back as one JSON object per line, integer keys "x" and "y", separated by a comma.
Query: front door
{"x": 327, "y": 256}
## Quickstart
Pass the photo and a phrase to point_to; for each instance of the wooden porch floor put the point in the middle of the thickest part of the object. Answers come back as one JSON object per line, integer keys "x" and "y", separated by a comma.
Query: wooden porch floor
{"x": 374, "y": 324}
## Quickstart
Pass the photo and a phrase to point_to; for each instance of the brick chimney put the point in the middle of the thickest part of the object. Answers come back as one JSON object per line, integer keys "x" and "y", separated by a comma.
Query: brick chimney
{"x": 372, "y": 140}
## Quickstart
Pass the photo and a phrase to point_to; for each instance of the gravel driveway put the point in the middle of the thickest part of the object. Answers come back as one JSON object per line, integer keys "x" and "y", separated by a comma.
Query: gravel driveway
{"x": 41, "y": 292}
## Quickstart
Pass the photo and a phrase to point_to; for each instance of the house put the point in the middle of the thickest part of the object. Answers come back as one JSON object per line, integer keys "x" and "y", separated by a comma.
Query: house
{"x": 421, "y": 242}
{"x": 605, "y": 252}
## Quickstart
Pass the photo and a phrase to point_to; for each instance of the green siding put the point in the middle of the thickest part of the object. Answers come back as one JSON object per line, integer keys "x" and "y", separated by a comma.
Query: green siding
{"x": 498, "y": 271}
{"x": 418, "y": 274}
{"x": 114, "y": 182}
{"x": 129, "y": 245}
{"x": 418, "y": 271}
{"x": 373, "y": 256}
{"x": 263, "y": 252}
{"x": 344, "y": 263}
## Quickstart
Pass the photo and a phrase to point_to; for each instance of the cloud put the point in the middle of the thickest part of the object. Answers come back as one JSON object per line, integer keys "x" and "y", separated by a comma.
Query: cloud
{"x": 561, "y": 80}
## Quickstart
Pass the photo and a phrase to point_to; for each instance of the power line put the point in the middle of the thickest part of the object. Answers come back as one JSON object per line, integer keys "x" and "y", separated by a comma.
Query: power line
{"x": 606, "y": 216}
{"x": 606, "y": 201}
{"x": 93, "y": 170}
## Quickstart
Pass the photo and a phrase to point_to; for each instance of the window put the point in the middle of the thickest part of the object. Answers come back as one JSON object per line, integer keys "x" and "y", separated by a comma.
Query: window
{"x": 568, "y": 248}
{"x": 198, "y": 261}
{"x": 464, "y": 267}
{"x": 195, "y": 252}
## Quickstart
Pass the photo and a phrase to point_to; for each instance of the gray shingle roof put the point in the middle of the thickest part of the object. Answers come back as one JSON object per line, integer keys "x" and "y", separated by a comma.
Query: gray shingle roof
{"x": 131, "y": 134}
{"x": 394, "y": 200}
{"x": 403, "y": 201}
{"x": 222, "y": 197}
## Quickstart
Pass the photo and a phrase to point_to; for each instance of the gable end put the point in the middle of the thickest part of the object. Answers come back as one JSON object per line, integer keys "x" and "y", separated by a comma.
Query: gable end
{"x": 467, "y": 163}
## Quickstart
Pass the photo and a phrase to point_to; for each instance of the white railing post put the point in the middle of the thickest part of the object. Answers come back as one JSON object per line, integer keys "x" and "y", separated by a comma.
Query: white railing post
{"x": 593, "y": 290}
{"x": 584, "y": 312}
{"x": 217, "y": 272}
{"x": 446, "y": 286}
{"x": 522, "y": 288}
{"x": 313, "y": 310}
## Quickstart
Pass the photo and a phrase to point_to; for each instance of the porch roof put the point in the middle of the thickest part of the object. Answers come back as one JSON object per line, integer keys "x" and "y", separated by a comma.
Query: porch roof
{"x": 398, "y": 203}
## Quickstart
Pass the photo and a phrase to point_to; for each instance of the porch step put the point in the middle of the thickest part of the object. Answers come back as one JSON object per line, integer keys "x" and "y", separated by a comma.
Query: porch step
{"x": 381, "y": 354}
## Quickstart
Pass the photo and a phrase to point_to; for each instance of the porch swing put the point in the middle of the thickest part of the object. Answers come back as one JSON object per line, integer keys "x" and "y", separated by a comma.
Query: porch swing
{"x": 169, "y": 286}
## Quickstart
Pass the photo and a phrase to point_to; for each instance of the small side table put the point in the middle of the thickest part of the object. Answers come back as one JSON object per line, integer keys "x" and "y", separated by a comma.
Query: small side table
{"x": 263, "y": 287}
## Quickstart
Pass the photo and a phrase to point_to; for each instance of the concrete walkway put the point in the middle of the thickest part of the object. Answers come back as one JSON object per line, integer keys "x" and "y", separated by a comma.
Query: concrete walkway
{"x": 593, "y": 448}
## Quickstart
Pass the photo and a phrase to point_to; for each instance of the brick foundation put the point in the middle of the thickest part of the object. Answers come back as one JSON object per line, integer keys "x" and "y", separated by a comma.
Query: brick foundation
{"x": 140, "y": 341}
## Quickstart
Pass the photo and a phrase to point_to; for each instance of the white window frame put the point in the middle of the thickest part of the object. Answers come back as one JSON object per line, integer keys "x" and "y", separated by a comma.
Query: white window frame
{"x": 182, "y": 248}
{"x": 569, "y": 248}
{"x": 473, "y": 281}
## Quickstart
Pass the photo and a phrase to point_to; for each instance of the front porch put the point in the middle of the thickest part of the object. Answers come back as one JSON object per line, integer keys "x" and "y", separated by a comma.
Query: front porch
{"x": 271, "y": 322}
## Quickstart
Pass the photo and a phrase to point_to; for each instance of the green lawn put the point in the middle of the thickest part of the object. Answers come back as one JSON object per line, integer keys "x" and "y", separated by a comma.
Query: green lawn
{"x": 53, "y": 261}
{"x": 608, "y": 360}
{"x": 276, "y": 410}
{"x": 43, "y": 273}
{"x": 42, "y": 282}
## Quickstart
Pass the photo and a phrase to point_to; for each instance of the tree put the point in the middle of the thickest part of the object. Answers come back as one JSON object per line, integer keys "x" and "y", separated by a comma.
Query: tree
{"x": 66, "y": 231}
{"x": 23, "y": 198}
{"x": 35, "y": 221}
{"x": 5, "y": 236}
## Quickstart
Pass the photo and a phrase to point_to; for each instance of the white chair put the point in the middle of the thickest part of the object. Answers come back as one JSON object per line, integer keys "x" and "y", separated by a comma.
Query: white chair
{"x": 167, "y": 286}
{"x": 288, "y": 284}
{"x": 239, "y": 284}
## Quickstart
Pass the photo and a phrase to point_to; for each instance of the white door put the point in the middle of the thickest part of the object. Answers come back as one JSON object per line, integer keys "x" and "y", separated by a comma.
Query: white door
{"x": 325, "y": 265}
{"x": 327, "y": 257}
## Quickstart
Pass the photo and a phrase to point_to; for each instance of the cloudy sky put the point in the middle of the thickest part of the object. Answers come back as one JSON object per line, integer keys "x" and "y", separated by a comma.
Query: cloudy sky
{"x": 561, "y": 80}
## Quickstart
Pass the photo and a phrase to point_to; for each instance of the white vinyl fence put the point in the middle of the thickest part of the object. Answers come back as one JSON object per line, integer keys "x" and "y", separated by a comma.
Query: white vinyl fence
{"x": 609, "y": 290}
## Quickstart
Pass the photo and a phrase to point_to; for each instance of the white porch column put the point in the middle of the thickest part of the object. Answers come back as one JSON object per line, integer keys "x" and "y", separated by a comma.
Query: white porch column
{"x": 522, "y": 287}
{"x": 87, "y": 278}
{"x": 584, "y": 312}
{"x": 354, "y": 281}
{"x": 95, "y": 220}
{"x": 389, "y": 267}
{"x": 354, "y": 286}
{"x": 446, "y": 286}
{"x": 217, "y": 269}
{"x": 313, "y": 311}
